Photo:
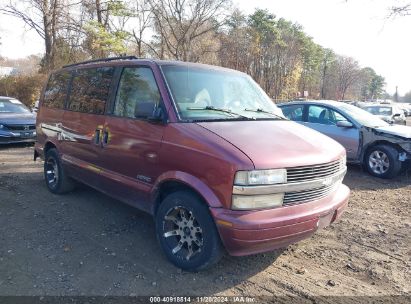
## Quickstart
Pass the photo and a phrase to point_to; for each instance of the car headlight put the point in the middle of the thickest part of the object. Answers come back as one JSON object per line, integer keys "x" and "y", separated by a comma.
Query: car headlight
{"x": 1, "y": 126}
{"x": 260, "y": 177}
{"x": 249, "y": 202}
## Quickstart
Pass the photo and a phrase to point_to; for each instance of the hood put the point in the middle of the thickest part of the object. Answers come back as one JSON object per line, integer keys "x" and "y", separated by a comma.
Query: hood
{"x": 17, "y": 119}
{"x": 277, "y": 144}
{"x": 403, "y": 131}
{"x": 384, "y": 116}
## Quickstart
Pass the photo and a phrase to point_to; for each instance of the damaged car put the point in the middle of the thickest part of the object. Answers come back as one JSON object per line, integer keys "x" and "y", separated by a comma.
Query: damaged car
{"x": 389, "y": 113}
{"x": 383, "y": 149}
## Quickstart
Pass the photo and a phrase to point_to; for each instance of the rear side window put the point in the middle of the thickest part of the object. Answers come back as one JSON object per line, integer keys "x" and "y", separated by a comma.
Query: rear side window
{"x": 56, "y": 90}
{"x": 90, "y": 90}
{"x": 138, "y": 95}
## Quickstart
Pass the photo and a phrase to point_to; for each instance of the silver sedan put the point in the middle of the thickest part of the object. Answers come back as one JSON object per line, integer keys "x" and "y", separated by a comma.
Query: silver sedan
{"x": 382, "y": 148}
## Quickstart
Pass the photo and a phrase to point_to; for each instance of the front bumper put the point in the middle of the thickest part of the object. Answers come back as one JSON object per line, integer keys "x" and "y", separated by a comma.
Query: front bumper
{"x": 250, "y": 232}
{"x": 11, "y": 139}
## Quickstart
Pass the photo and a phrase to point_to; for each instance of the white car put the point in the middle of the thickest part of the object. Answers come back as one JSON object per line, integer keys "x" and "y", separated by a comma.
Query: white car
{"x": 406, "y": 107}
{"x": 387, "y": 112}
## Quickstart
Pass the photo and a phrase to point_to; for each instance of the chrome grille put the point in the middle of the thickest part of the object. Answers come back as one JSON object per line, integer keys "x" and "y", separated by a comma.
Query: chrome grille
{"x": 304, "y": 183}
{"x": 20, "y": 127}
{"x": 310, "y": 173}
{"x": 291, "y": 198}
{"x": 307, "y": 173}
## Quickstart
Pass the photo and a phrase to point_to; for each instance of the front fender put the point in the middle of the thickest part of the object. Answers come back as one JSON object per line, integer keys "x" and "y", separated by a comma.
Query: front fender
{"x": 191, "y": 181}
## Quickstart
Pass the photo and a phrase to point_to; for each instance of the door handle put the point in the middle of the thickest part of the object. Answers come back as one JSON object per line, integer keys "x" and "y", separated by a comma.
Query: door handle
{"x": 97, "y": 136}
{"x": 106, "y": 137}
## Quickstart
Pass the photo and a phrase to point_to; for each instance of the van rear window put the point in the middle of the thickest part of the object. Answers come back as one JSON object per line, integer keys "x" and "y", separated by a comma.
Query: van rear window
{"x": 90, "y": 89}
{"x": 56, "y": 90}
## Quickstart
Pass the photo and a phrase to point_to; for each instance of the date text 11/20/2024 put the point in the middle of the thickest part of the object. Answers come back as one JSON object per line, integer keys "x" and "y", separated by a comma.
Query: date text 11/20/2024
{"x": 205, "y": 299}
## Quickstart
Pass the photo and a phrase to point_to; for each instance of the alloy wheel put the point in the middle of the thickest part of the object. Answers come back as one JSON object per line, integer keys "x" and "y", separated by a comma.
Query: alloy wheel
{"x": 182, "y": 232}
{"x": 52, "y": 173}
{"x": 379, "y": 162}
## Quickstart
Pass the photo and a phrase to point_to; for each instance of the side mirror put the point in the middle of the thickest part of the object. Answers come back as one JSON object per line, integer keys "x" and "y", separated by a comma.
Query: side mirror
{"x": 157, "y": 115}
{"x": 344, "y": 124}
{"x": 145, "y": 109}
{"x": 396, "y": 115}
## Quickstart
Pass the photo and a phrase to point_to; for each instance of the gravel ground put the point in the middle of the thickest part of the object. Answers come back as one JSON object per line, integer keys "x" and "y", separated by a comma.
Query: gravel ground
{"x": 85, "y": 243}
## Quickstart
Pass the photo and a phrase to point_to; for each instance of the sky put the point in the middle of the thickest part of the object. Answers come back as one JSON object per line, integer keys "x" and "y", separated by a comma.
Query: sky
{"x": 355, "y": 28}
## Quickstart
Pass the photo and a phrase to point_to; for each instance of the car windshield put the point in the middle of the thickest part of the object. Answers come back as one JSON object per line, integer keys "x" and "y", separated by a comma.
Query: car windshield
{"x": 211, "y": 94}
{"x": 362, "y": 116}
{"x": 12, "y": 106}
{"x": 377, "y": 110}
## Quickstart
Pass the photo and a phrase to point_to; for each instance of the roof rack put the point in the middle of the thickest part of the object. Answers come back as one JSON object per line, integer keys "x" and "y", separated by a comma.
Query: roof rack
{"x": 101, "y": 60}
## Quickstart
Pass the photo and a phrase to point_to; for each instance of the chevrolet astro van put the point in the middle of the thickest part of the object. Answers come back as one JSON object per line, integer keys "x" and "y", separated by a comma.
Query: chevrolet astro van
{"x": 201, "y": 148}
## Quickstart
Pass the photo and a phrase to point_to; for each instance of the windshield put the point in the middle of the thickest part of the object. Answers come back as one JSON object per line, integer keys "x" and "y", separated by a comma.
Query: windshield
{"x": 377, "y": 110}
{"x": 12, "y": 106}
{"x": 207, "y": 94}
{"x": 363, "y": 117}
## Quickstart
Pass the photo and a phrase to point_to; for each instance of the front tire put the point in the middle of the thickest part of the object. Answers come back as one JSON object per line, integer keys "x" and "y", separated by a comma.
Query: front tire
{"x": 187, "y": 233}
{"x": 382, "y": 161}
{"x": 54, "y": 174}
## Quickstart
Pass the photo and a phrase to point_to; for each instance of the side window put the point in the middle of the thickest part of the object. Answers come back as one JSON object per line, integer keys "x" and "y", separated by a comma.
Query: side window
{"x": 323, "y": 115}
{"x": 138, "y": 95}
{"x": 90, "y": 90}
{"x": 339, "y": 117}
{"x": 320, "y": 115}
{"x": 293, "y": 112}
{"x": 56, "y": 90}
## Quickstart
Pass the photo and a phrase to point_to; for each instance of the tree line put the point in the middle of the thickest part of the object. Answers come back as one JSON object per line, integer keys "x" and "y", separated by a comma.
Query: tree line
{"x": 277, "y": 53}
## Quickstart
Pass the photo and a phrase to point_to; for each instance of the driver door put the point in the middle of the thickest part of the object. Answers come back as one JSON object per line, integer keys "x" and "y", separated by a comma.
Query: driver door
{"x": 131, "y": 142}
{"x": 324, "y": 119}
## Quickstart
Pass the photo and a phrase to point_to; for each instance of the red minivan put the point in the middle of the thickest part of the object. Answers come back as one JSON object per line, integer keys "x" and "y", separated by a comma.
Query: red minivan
{"x": 201, "y": 148}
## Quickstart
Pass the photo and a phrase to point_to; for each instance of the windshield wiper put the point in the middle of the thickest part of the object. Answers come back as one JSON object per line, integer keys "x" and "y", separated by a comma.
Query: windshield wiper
{"x": 211, "y": 108}
{"x": 265, "y": 112}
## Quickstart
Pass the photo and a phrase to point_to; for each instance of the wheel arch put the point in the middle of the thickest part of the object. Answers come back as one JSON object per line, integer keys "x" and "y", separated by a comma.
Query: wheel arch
{"x": 175, "y": 181}
{"x": 378, "y": 143}
{"x": 49, "y": 145}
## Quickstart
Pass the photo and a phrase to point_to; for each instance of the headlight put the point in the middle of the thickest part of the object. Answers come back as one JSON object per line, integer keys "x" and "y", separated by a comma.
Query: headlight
{"x": 1, "y": 126}
{"x": 260, "y": 177}
{"x": 247, "y": 202}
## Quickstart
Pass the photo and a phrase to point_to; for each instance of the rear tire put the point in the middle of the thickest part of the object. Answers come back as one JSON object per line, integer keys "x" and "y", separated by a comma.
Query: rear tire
{"x": 187, "y": 233}
{"x": 54, "y": 174}
{"x": 382, "y": 161}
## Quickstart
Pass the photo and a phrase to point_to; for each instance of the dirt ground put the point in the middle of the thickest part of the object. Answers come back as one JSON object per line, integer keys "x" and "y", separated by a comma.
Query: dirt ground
{"x": 85, "y": 243}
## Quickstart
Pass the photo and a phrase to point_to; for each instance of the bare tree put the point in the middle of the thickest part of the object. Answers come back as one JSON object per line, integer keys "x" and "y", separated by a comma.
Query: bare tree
{"x": 401, "y": 10}
{"x": 143, "y": 16}
{"x": 348, "y": 71}
{"x": 43, "y": 16}
{"x": 179, "y": 23}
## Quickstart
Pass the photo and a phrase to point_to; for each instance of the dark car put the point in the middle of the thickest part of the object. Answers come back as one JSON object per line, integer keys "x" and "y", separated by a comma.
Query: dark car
{"x": 382, "y": 148}
{"x": 17, "y": 122}
{"x": 201, "y": 148}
